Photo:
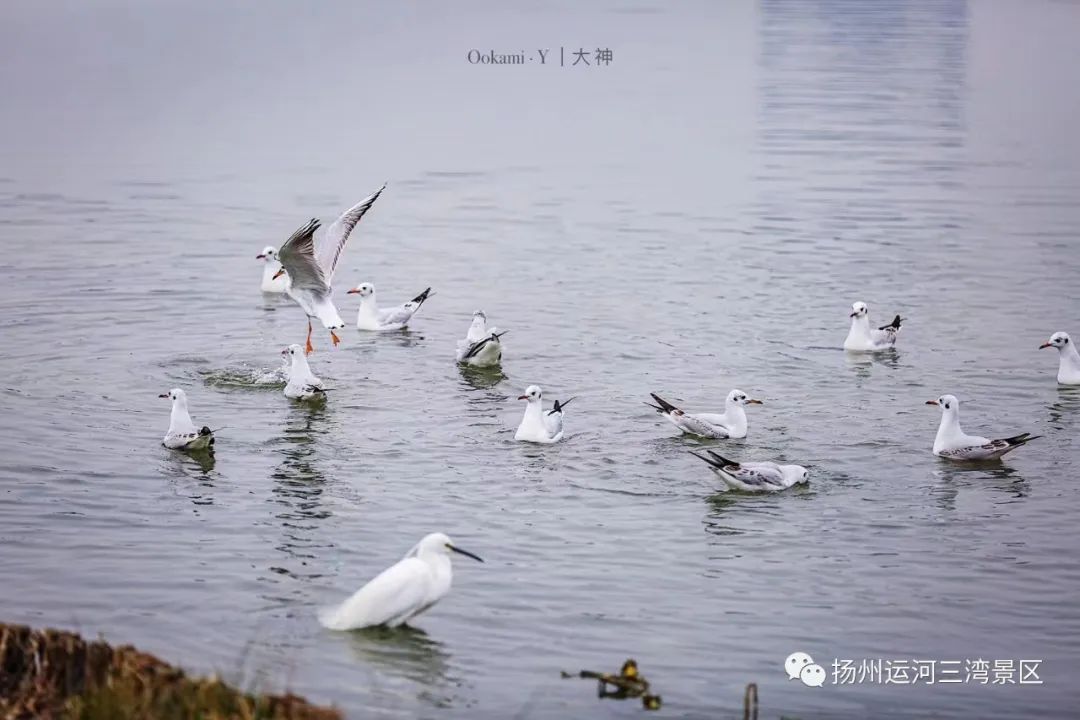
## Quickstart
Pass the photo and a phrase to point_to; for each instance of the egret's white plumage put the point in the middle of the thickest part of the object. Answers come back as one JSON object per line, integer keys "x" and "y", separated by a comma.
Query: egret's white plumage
{"x": 310, "y": 266}
{"x": 863, "y": 338}
{"x": 482, "y": 346}
{"x": 756, "y": 477}
{"x": 1068, "y": 358}
{"x": 732, "y": 423}
{"x": 182, "y": 433}
{"x": 273, "y": 281}
{"x": 402, "y": 591}
{"x": 302, "y": 385}
{"x": 537, "y": 425}
{"x": 953, "y": 443}
{"x": 370, "y": 317}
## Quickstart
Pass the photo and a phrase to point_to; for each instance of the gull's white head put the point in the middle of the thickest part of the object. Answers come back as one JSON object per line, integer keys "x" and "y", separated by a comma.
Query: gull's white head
{"x": 1058, "y": 340}
{"x": 364, "y": 290}
{"x": 738, "y": 397}
{"x": 480, "y": 314}
{"x": 859, "y": 310}
{"x": 174, "y": 394}
{"x": 269, "y": 253}
{"x": 293, "y": 351}
{"x": 533, "y": 393}
{"x": 440, "y": 543}
{"x": 948, "y": 403}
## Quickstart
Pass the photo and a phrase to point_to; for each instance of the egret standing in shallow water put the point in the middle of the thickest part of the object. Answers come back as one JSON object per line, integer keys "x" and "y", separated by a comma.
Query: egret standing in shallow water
{"x": 400, "y": 592}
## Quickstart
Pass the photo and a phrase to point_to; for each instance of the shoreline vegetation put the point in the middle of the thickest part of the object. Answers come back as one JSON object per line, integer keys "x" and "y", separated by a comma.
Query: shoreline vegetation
{"x": 57, "y": 675}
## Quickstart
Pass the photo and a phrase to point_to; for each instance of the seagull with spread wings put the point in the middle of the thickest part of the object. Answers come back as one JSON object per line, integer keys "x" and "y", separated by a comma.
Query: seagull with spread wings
{"x": 310, "y": 266}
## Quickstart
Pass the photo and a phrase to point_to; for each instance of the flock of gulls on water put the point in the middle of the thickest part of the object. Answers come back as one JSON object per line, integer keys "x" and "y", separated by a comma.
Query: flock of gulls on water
{"x": 303, "y": 268}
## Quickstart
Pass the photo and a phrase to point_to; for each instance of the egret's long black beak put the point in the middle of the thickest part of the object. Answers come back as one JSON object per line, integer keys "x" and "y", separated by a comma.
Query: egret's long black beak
{"x": 464, "y": 552}
{"x": 853, "y": 314}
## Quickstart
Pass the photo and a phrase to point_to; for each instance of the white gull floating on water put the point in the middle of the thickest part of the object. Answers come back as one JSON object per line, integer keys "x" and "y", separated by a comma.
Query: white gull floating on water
{"x": 538, "y": 426}
{"x": 953, "y": 443}
{"x": 302, "y": 385}
{"x": 1068, "y": 358}
{"x": 370, "y": 317}
{"x": 402, "y": 591}
{"x": 863, "y": 338}
{"x": 482, "y": 346}
{"x": 273, "y": 281}
{"x": 732, "y": 423}
{"x": 182, "y": 434}
{"x": 310, "y": 267}
{"x": 756, "y": 477}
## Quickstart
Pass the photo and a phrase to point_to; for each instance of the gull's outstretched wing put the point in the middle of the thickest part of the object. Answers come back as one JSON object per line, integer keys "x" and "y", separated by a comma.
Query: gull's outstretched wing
{"x": 297, "y": 256}
{"x": 332, "y": 243}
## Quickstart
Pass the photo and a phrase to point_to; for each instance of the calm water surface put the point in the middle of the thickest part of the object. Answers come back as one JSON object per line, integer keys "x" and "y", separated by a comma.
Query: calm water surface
{"x": 698, "y": 215}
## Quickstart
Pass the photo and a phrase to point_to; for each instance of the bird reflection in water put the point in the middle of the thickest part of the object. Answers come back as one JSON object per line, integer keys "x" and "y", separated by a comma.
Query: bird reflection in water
{"x": 409, "y": 653}
{"x": 298, "y": 485}
{"x": 1066, "y": 409}
{"x": 196, "y": 465}
{"x": 482, "y": 378}
{"x": 993, "y": 474}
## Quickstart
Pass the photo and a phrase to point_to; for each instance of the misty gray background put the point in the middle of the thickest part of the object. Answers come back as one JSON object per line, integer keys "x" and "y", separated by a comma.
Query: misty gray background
{"x": 696, "y": 216}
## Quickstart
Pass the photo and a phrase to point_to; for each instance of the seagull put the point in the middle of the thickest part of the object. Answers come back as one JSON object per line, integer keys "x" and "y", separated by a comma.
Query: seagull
{"x": 311, "y": 269}
{"x": 1068, "y": 358}
{"x": 861, "y": 338}
{"x": 538, "y": 426}
{"x": 400, "y": 592}
{"x": 182, "y": 434}
{"x": 755, "y": 477}
{"x": 953, "y": 444}
{"x": 731, "y": 424}
{"x": 481, "y": 347}
{"x": 370, "y": 317}
{"x": 272, "y": 280}
{"x": 302, "y": 385}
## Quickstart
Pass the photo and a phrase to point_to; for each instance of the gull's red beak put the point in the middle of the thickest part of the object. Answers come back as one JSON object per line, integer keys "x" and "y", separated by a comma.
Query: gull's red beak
{"x": 163, "y": 395}
{"x": 932, "y": 402}
{"x": 260, "y": 256}
{"x": 853, "y": 314}
{"x": 1045, "y": 345}
{"x": 278, "y": 274}
{"x": 354, "y": 291}
{"x": 523, "y": 397}
{"x": 754, "y": 402}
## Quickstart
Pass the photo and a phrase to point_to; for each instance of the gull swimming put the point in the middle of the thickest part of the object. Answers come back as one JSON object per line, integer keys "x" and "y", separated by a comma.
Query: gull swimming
{"x": 272, "y": 280}
{"x": 310, "y": 269}
{"x": 731, "y": 423}
{"x": 370, "y": 317}
{"x": 402, "y": 591}
{"x": 482, "y": 346}
{"x": 538, "y": 426}
{"x": 756, "y": 477}
{"x": 862, "y": 338}
{"x": 1068, "y": 358}
{"x": 953, "y": 444}
{"x": 182, "y": 434}
{"x": 302, "y": 385}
